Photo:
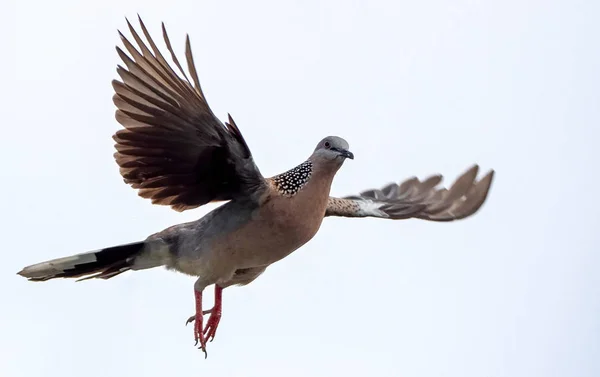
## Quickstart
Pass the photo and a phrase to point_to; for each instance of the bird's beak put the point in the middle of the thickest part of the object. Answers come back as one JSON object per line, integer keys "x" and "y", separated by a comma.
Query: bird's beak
{"x": 347, "y": 154}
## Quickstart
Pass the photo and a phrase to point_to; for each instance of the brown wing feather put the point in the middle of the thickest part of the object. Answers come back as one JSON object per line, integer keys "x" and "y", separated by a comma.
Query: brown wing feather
{"x": 418, "y": 199}
{"x": 173, "y": 149}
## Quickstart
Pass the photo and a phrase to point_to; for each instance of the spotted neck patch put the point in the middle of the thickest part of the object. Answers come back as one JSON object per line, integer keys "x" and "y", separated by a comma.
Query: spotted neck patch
{"x": 290, "y": 182}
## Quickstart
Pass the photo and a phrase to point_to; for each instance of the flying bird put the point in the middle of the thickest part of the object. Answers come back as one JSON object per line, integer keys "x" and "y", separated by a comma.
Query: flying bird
{"x": 174, "y": 151}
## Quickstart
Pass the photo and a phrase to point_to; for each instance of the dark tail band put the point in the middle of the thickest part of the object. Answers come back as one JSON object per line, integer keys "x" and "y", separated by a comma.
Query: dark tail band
{"x": 103, "y": 264}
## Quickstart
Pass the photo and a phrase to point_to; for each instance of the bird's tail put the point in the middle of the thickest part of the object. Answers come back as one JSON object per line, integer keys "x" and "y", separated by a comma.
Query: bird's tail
{"x": 103, "y": 263}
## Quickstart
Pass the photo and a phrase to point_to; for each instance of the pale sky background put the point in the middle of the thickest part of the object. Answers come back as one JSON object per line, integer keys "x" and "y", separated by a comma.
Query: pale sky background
{"x": 416, "y": 87}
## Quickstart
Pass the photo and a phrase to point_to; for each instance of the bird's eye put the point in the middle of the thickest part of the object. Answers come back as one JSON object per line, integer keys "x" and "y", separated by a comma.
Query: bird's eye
{"x": 327, "y": 145}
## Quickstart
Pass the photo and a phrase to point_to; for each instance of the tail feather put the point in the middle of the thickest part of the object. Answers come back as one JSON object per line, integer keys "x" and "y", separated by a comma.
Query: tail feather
{"x": 103, "y": 263}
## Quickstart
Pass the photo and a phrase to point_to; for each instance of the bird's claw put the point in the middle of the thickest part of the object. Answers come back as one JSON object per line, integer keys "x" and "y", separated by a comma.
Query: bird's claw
{"x": 204, "y": 350}
{"x": 200, "y": 339}
{"x": 190, "y": 320}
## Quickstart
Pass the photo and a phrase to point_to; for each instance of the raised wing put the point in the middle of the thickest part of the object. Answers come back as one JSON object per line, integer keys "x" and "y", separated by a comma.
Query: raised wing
{"x": 418, "y": 199}
{"x": 173, "y": 149}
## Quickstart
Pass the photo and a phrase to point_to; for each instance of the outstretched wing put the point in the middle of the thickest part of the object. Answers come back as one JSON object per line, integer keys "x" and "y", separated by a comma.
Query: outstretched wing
{"x": 173, "y": 149}
{"x": 418, "y": 199}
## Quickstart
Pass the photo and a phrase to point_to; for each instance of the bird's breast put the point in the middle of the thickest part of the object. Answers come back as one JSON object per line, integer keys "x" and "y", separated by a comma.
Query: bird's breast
{"x": 279, "y": 226}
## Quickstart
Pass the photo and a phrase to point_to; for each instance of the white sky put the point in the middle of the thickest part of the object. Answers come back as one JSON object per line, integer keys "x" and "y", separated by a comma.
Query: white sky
{"x": 416, "y": 87}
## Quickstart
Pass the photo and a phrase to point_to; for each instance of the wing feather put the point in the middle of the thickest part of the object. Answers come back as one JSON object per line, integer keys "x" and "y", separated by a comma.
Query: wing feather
{"x": 172, "y": 147}
{"x": 413, "y": 198}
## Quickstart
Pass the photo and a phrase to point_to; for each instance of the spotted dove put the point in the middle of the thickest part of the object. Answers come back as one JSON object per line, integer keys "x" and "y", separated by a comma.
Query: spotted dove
{"x": 175, "y": 152}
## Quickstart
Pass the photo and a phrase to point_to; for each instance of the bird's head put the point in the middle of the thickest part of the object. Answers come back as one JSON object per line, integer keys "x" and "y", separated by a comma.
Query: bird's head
{"x": 332, "y": 150}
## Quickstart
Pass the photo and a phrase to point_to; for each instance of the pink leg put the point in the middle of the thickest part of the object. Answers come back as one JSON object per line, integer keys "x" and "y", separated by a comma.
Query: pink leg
{"x": 198, "y": 334}
{"x": 215, "y": 315}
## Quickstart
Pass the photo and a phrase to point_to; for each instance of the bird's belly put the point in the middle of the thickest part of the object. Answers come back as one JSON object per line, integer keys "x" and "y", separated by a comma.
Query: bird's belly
{"x": 268, "y": 242}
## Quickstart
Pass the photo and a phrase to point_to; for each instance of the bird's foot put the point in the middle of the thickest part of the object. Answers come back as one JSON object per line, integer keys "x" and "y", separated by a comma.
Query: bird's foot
{"x": 193, "y": 316}
{"x": 198, "y": 330}
{"x": 213, "y": 322}
{"x": 199, "y": 335}
{"x": 215, "y": 315}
